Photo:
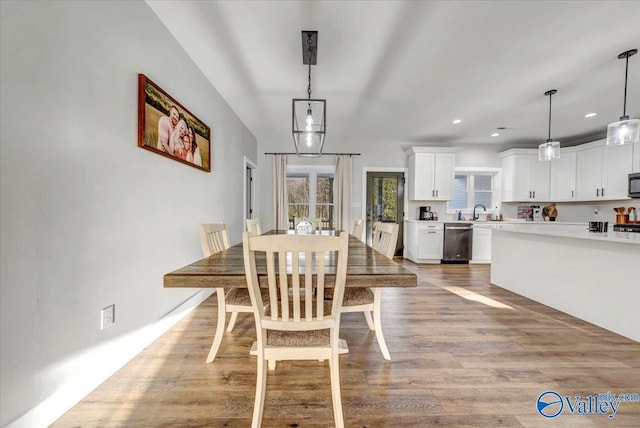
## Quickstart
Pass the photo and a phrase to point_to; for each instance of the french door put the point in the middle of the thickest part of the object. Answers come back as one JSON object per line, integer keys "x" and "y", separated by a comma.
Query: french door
{"x": 385, "y": 203}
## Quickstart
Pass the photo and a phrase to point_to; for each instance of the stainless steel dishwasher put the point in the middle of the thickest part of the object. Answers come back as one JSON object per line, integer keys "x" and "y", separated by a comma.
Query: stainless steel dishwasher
{"x": 458, "y": 240}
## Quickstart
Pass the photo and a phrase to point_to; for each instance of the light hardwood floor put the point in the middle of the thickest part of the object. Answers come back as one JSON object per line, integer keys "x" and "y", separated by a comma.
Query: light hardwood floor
{"x": 464, "y": 354}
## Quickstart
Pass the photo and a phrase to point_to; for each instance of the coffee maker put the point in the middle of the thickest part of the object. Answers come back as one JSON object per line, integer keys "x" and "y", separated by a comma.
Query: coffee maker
{"x": 425, "y": 213}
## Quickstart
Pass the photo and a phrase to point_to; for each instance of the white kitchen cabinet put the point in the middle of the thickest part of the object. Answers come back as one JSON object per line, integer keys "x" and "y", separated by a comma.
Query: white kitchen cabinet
{"x": 481, "y": 246}
{"x": 563, "y": 177}
{"x": 431, "y": 174}
{"x": 524, "y": 177}
{"x": 602, "y": 171}
{"x": 424, "y": 241}
{"x": 636, "y": 157}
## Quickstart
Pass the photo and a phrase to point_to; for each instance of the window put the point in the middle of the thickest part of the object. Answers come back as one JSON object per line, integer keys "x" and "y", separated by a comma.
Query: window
{"x": 310, "y": 194}
{"x": 472, "y": 188}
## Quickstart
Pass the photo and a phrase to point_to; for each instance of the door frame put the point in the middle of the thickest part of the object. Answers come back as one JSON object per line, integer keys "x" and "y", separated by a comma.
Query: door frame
{"x": 248, "y": 163}
{"x": 405, "y": 208}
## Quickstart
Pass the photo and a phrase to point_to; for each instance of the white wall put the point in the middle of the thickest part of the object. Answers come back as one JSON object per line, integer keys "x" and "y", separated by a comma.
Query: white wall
{"x": 88, "y": 219}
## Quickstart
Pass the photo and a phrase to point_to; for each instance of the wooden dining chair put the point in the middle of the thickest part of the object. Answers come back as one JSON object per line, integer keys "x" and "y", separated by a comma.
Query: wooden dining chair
{"x": 295, "y": 325}
{"x": 358, "y": 226}
{"x": 253, "y": 226}
{"x": 369, "y": 300}
{"x": 213, "y": 239}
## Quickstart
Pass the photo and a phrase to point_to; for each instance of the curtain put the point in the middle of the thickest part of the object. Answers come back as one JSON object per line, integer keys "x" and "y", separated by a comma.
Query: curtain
{"x": 342, "y": 190}
{"x": 280, "y": 208}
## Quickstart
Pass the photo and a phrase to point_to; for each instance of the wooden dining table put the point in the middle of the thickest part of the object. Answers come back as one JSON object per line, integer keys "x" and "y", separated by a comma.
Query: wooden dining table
{"x": 365, "y": 268}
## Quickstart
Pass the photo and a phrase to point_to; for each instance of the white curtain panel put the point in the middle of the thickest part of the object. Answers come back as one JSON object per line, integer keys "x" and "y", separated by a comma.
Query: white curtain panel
{"x": 342, "y": 191}
{"x": 280, "y": 208}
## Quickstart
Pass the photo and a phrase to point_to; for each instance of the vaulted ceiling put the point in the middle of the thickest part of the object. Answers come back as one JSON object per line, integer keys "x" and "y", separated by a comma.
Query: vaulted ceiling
{"x": 402, "y": 71}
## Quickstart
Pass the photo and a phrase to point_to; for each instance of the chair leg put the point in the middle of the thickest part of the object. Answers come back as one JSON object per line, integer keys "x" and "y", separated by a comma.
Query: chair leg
{"x": 232, "y": 321}
{"x": 377, "y": 303}
{"x": 334, "y": 367}
{"x": 222, "y": 314}
{"x": 367, "y": 316}
{"x": 261, "y": 386}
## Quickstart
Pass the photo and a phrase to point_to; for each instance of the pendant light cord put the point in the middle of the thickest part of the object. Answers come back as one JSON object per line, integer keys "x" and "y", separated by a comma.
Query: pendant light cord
{"x": 310, "y": 49}
{"x": 549, "y": 139}
{"x": 626, "y": 74}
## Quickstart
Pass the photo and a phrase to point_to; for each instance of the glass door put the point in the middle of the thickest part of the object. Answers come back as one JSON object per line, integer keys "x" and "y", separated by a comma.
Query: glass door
{"x": 385, "y": 203}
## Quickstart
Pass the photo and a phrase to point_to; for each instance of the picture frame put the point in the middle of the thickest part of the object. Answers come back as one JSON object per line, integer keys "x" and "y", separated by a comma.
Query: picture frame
{"x": 167, "y": 128}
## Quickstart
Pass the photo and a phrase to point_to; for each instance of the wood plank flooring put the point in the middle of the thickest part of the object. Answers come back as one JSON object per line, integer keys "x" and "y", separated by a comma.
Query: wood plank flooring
{"x": 465, "y": 354}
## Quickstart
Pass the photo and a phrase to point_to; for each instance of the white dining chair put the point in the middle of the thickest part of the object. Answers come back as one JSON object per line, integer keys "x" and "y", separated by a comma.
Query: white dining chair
{"x": 213, "y": 239}
{"x": 358, "y": 226}
{"x": 369, "y": 300}
{"x": 296, "y": 325}
{"x": 253, "y": 226}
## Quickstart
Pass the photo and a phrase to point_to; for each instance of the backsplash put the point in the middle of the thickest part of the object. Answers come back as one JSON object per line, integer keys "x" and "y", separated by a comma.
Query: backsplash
{"x": 581, "y": 212}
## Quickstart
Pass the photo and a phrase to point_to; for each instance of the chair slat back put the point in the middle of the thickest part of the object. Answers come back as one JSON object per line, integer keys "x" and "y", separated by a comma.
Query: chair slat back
{"x": 253, "y": 226}
{"x": 213, "y": 238}
{"x": 292, "y": 264}
{"x": 358, "y": 225}
{"x": 385, "y": 238}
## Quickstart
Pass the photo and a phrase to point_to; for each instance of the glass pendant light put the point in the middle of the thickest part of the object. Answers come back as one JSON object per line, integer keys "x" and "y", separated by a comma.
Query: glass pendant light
{"x": 625, "y": 131}
{"x": 549, "y": 150}
{"x": 309, "y": 115}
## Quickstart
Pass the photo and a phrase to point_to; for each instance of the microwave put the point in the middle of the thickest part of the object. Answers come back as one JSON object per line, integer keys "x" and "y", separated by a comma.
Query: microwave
{"x": 634, "y": 185}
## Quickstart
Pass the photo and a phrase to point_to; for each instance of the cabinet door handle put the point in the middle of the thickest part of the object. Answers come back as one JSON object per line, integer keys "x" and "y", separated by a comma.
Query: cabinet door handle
{"x": 572, "y": 193}
{"x": 534, "y": 194}
{"x": 602, "y": 191}
{"x": 597, "y": 192}
{"x": 432, "y": 193}
{"x": 436, "y": 192}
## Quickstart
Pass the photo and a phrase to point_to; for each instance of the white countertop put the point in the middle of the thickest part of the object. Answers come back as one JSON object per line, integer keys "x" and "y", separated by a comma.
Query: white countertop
{"x": 570, "y": 232}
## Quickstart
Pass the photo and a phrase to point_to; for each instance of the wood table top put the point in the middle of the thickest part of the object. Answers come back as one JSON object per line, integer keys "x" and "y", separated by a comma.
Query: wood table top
{"x": 366, "y": 268}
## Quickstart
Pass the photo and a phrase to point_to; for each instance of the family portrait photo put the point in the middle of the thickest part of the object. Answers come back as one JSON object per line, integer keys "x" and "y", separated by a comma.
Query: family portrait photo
{"x": 169, "y": 129}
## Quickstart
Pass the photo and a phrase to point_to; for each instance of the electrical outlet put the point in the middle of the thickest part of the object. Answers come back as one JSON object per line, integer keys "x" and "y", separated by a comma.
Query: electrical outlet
{"x": 108, "y": 316}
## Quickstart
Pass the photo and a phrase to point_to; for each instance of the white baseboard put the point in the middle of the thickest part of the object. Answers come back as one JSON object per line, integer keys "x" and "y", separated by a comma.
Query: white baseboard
{"x": 91, "y": 368}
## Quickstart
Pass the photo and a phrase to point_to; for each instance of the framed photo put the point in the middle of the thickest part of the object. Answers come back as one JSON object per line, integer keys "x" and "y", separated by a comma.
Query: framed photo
{"x": 167, "y": 128}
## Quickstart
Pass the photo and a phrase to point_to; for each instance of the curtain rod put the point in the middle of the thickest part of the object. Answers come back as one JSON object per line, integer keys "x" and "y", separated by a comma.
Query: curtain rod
{"x": 323, "y": 154}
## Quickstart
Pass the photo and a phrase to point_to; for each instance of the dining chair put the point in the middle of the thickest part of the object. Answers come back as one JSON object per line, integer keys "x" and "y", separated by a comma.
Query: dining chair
{"x": 358, "y": 226}
{"x": 369, "y": 300}
{"x": 253, "y": 226}
{"x": 213, "y": 239}
{"x": 295, "y": 325}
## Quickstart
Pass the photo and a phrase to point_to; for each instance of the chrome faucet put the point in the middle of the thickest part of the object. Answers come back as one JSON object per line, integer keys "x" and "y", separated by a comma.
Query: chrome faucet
{"x": 474, "y": 211}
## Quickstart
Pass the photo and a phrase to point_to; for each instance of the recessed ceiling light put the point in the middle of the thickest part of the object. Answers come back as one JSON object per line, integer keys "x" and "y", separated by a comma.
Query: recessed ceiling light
{"x": 590, "y": 114}
{"x": 495, "y": 134}
{"x": 456, "y": 121}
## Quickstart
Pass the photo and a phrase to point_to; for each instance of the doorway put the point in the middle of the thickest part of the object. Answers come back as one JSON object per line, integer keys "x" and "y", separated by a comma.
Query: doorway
{"x": 385, "y": 203}
{"x": 249, "y": 189}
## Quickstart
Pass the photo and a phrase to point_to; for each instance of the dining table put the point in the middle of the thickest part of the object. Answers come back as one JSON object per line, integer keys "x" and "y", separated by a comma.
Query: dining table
{"x": 366, "y": 267}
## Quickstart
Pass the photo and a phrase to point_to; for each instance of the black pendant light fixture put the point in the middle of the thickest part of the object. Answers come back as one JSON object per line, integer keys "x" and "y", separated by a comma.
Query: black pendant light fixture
{"x": 625, "y": 131}
{"x": 309, "y": 115}
{"x": 549, "y": 150}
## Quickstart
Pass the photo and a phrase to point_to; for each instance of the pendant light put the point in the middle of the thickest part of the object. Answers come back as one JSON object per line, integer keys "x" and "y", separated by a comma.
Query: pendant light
{"x": 309, "y": 115}
{"x": 626, "y": 130}
{"x": 549, "y": 150}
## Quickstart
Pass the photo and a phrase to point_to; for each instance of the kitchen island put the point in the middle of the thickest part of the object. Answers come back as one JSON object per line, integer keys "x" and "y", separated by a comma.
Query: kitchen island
{"x": 592, "y": 276}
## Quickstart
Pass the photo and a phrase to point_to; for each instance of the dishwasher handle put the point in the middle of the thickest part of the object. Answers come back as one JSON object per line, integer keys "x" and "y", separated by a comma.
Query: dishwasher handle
{"x": 458, "y": 228}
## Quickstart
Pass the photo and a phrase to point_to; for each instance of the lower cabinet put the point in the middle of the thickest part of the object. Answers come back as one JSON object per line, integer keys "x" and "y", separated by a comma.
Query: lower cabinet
{"x": 481, "y": 247}
{"x": 424, "y": 241}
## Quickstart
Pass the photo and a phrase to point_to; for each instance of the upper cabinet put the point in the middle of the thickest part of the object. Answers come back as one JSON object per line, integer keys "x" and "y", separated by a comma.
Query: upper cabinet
{"x": 602, "y": 171}
{"x": 563, "y": 176}
{"x": 636, "y": 157}
{"x": 524, "y": 178}
{"x": 431, "y": 173}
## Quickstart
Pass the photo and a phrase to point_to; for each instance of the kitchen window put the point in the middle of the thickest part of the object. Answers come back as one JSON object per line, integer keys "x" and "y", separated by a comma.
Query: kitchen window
{"x": 310, "y": 194}
{"x": 471, "y": 188}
